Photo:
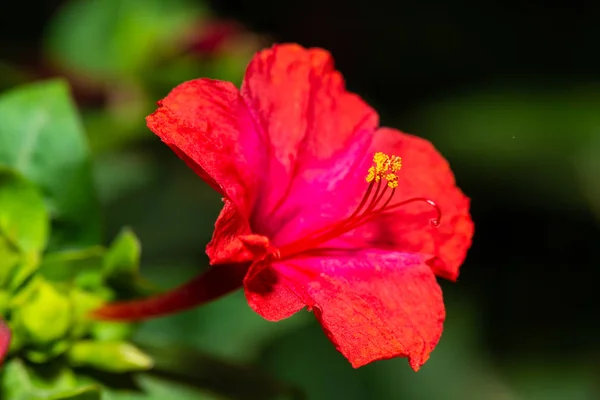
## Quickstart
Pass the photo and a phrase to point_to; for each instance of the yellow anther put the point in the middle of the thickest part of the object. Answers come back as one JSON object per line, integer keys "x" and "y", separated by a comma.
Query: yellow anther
{"x": 371, "y": 174}
{"x": 385, "y": 167}
{"x": 392, "y": 180}
{"x": 395, "y": 163}
{"x": 381, "y": 161}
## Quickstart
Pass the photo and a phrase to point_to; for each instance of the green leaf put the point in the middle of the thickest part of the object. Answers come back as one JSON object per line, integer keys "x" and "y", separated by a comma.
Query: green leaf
{"x": 4, "y": 302}
{"x": 83, "y": 303}
{"x": 23, "y": 216}
{"x": 41, "y": 137}
{"x": 154, "y": 388}
{"x": 19, "y": 383}
{"x": 24, "y": 228}
{"x": 111, "y": 356}
{"x": 26, "y": 267}
{"x": 122, "y": 259}
{"x": 108, "y": 38}
{"x": 9, "y": 260}
{"x": 41, "y": 313}
{"x": 111, "y": 331}
{"x": 66, "y": 265}
{"x": 121, "y": 265}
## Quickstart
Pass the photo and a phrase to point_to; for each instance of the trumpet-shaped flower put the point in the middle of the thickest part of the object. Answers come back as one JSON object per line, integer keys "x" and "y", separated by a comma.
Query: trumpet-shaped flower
{"x": 322, "y": 209}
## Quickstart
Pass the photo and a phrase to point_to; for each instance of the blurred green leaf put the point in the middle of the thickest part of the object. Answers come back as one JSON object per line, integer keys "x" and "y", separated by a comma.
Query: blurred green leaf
{"x": 154, "y": 388}
{"x": 112, "y": 38}
{"x": 83, "y": 303}
{"x": 11, "y": 75}
{"x": 66, "y": 265}
{"x": 41, "y": 137}
{"x": 24, "y": 229}
{"x": 23, "y": 216}
{"x": 4, "y": 302}
{"x": 26, "y": 268}
{"x": 41, "y": 313}
{"x": 121, "y": 261}
{"x": 120, "y": 173}
{"x": 9, "y": 258}
{"x": 110, "y": 331}
{"x": 121, "y": 265}
{"x": 18, "y": 383}
{"x": 112, "y": 356}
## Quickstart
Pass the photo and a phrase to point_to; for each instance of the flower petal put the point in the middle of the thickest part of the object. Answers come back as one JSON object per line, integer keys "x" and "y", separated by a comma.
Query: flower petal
{"x": 318, "y": 136}
{"x": 425, "y": 173}
{"x": 207, "y": 124}
{"x": 372, "y": 305}
{"x": 230, "y": 242}
{"x": 5, "y": 336}
{"x": 270, "y": 294}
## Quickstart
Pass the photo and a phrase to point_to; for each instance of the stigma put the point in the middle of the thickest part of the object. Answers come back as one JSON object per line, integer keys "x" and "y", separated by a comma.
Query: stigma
{"x": 383, "y": 180}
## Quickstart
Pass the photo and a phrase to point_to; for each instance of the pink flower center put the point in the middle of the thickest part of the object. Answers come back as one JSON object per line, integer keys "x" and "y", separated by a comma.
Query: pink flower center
{"x": 377, "y": 200}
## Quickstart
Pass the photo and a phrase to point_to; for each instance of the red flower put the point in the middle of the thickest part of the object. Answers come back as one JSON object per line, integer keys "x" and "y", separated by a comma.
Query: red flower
{"x": 319, "y": 212}
{"x": 4, "y": 339}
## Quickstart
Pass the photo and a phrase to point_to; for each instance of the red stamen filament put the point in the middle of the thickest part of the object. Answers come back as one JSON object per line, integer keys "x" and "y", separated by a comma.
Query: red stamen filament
{"x": 358, "y": 218}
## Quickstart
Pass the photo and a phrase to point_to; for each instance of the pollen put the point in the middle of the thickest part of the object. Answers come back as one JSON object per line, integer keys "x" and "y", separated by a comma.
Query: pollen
{"x": 385, "y": 167}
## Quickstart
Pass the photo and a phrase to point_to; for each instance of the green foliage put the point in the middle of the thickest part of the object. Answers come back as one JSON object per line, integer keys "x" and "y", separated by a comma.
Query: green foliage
{"x": 121, "y": 265}
{"x": 41, "y": 138}
{"x": 67, "y": 265}
{"x": 132, "y": 52}
{"x": 111, "y": 45}
{"x": 112, "y": 356}
{"x": 47, "y": 196}
{"x": 21, "y": 383}
{"x": 117, "y": 38}
{"x": 47, "y": 292}
{"x": 156, "y": 388}
{"x": 24, "y": 228}
{"x": 41, "y": 314}
{"x": 23, "y": 215}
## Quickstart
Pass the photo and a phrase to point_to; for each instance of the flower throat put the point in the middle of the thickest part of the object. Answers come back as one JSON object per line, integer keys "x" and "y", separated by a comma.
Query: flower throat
{"x": 383, "y": 180}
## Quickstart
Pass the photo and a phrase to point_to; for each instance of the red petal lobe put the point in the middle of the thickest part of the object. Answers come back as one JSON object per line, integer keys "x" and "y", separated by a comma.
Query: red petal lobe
{"x": 425, "y": 173}
{"x": 372, "y": 305}
{"x": 270, "y": 294}
{"x": 318, "y": 135}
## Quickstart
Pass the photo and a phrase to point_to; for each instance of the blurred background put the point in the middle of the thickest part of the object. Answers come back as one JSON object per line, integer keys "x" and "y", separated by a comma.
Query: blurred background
{"x": 509, "y": 92}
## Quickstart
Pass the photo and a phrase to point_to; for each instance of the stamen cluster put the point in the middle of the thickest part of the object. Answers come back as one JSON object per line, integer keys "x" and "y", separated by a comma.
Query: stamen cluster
{"x": 385, "y": 167}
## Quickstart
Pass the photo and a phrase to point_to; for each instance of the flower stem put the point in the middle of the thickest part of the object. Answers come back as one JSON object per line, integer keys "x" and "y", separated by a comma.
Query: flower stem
{"x": 214, "y": 283}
